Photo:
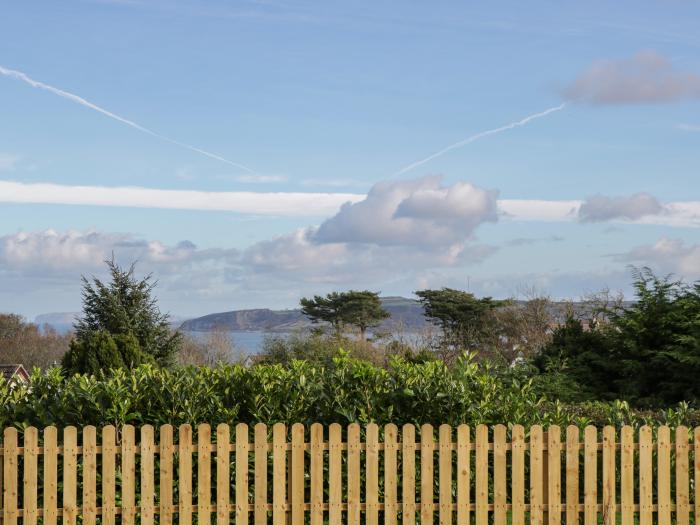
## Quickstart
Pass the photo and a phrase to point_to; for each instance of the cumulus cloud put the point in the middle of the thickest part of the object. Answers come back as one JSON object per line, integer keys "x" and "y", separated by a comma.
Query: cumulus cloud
{"x": 420, "y": 212}
{"x": 667, "y": 255}
{"x": 600, "y": 208}
{"x": 647, "y": 77}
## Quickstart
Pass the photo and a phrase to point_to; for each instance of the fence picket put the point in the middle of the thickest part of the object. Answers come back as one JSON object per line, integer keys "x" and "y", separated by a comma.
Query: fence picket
{"x": 89, "y": 475}
{"x": 572, "y": 474}
{"x": 260, "y": 517}
{"x": 184, "y": 474}
{"x": 445, "y": 473}
{"x": 316, "y": 474}
{"x": 645, "y": 476}
{"x": 223, "y": 474}
{"x": 390, "y": 482}
{"x": 203, "y": 474}
{"x": 242, "y": 474}
{"x": 536, "y": 475}
{"x": 518, "y": 474}
{"x": 279, "y": 474}
{"x": 627, "y": 476}
{"x": 408, "y": 460}
{"x": 10, "y": 489}
{"x": 297, "y": 474}
{"x": 148, "y": 484}
{"x": 499, "y": 475}
{"x": 109, "y": 479}
{"x": 165, "y": 496}
{"x": 554, "y": 474}
{"x": 590, "y": 476}
{"x": 663, "y": 486}
{"x": 427, "y": 455}
{"x": 372, "y": 475}
{"x": 31, "y": 453}
{"x": 482, "y": 475}
{"x": 609, "y": 477}
{"x": 696, "y": 473}
{"x": 70, "y": 475}
{"x": 682, "y": 500}
{"x": 51, "y": 477}
{"x": 463, "y": 474}
{"x": 128, "y": 484}
{"x": 335, "y": 475}
{"x": 353, "y": 517}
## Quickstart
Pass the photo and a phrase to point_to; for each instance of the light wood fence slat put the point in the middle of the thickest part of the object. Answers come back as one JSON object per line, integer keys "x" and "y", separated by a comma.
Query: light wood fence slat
{"x": 663, "y": 466}
{"x": 184, "y": 474}
{"x": 590, "y": 476}
{"x": 128, "y": 484}
{"x": 427, "y": 465}
{"x": 316, "y": 474}
{"x": 517, "y": 463}
{"x": 482, "y": 475}
{"x": 682, "y": 495}
{"x": 297, "y": 474}
{"x": 148, "y": 484}
{"x": 390, "y": 478}
{"x": 572, "y": 475}
{"x": 242, "y": 448}
{"x": 203, "y": 474}
{"x": 51, "y": 478}
{"x": 31, "y": 475}
{"x": 627, "y": 476}
{"x": 70, "y": 476}
{"x": 408, "y": 460}
{"x": 609, "y": 477}
{"x": 279, "y": 474}
{"x": 500, "y": 494}
{"x": 223, "y": 474}
{"x": 536, "y": 475}
{"x": 90, "y": 475}
{"x": 10, "y": 476}
{"x": 372, "y": 475}
{"x": 445, "y": 473}
{"x": 353, "y": 493}
{"x": 554, "y": 474}
{"x": 109, "y": 478}
{"x": 463, "y": 474}
{"x": 335, "y": 475}
{"x": 260, "y": 517}
{"x": 645, "y": 476}
{"x": 165, "y": 495}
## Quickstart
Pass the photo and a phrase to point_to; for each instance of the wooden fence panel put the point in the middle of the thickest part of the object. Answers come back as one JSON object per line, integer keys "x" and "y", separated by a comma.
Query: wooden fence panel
{"x": 381, "y": 480}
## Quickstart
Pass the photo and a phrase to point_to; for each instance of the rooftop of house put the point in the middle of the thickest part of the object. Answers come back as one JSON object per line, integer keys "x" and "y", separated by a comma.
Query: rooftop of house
{"x": 9, "y": 372}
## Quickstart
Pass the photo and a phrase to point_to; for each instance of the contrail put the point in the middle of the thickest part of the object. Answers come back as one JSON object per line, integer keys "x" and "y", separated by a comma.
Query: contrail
{"x": 478, "y": 136}
{"x": 79, "y": 100}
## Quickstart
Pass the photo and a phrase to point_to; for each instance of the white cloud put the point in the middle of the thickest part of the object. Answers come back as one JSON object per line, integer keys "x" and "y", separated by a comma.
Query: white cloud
{"x": 418, "y": 212}
{"x": 647, "y": 77}
{"x": 259, "y": 203}
{"x": 599, "y": 208}
{"x": 260, "y": 179}
{"x": 667, "y": 255}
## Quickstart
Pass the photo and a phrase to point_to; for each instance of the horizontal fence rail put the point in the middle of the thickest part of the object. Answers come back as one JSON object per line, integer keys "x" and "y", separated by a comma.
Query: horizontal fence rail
{"x": 350, "y": 474}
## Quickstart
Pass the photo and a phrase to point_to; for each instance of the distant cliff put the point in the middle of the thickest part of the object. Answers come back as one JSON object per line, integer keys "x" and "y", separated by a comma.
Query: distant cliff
{"x": 405, "y": 313}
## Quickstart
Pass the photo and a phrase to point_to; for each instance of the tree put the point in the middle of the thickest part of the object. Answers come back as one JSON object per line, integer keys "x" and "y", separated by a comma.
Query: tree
{"x": 461, "y": 316}
{"x": 125, "y": 310}
{"x": 361, "y": 309}
{"x": 99, "y": 351}
{"x": 29, "y": 344}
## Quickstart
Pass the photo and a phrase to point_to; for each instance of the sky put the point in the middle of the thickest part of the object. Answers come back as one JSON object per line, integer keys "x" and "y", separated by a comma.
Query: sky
{"x": 249, "y": 153}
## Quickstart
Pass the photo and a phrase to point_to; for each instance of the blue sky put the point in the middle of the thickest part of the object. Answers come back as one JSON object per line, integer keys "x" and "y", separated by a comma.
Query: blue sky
{"x": 331, "y": 99}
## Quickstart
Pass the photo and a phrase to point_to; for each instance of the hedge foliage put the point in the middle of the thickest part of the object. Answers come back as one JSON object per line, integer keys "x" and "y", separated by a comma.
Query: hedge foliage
{"x": 346, "y": 391}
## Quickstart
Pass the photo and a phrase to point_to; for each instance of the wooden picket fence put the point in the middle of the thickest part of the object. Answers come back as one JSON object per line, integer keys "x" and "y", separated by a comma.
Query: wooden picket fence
{"x": 350, "y": 475}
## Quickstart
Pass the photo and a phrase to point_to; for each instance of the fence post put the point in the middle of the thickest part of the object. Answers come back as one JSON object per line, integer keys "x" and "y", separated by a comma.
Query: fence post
{"x": 390, "y": 481}
{"x": 10, "y": 489}
{"x": 682, "y": 510}
{"x": 70, "y": 475}
{"x": 279, "y": 471}
{"x": 203, "y": 474}
{"x": 427, "y": 450}
{"x": 518, "y": 474}
{"x": 241, "y": 474}
{"x": 260, "y": 476}
{"x": 89, "y": 475}
{"x": 663, "y": 488}
{"x": 223, "y": 470}
{"x": 590, "y": 475}
{"x": 408, "y": 460}
{"x": 482, "y": 475}
{"x": 31, "y": 453}
{"x": 296, "y": 474}
{"x": 645, "y": 476}
{"x": 316, "y": 475}
{"x": 445, "y": 462}
{"x": 165, "y": 496}
{"x": 609, "y": 477}
{"x": 463, "y": 474}
{"x": 372, "y": 475}
{"x": 554, "y": 474}
{"x": 147, "y": 475}
{"x": 184, "y": 474}
{"x": 627, "y": 476}
{"x": 353, "y": 517}
{"x": 499, "y": 475}
{"x": 109, "y": 475}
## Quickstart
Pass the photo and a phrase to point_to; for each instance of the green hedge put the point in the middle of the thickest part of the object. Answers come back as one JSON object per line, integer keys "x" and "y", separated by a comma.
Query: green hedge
{"x": 347, "y": 391}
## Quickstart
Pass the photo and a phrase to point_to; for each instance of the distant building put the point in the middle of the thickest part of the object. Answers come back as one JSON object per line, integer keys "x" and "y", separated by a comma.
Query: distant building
{"x": 14, "y": 373}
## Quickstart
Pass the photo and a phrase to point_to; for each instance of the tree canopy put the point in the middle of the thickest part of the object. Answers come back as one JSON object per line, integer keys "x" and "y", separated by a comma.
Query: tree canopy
{"x": 361, "y": 309}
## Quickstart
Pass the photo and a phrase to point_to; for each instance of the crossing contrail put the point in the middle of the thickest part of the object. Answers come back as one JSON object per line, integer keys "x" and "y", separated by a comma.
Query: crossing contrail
{"x": 478, "y": 136}
{"x": 18, "y": 75}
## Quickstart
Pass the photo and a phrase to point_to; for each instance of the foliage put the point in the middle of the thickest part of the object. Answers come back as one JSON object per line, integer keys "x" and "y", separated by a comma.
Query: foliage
{"x": 29, "y": 344}
{"x": 125, "y": 307}
{"x": 98, "y": 351}
{"x": 361, "y": 309}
